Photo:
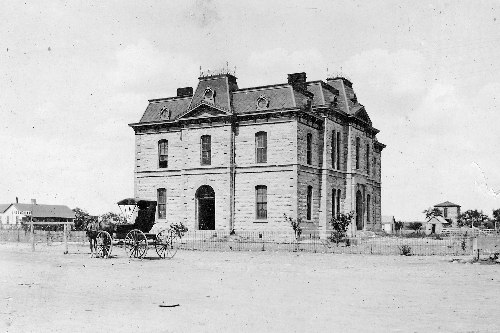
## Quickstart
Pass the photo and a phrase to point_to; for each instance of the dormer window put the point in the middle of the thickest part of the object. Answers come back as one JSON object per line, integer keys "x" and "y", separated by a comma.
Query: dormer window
{"x": 262, "y": 102}
{"x": 164, "y": 113}
{"x": 209, "y": 95}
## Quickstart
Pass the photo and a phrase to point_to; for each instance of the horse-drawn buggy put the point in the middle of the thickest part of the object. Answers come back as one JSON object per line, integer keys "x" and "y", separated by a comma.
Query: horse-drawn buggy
{"x": 135, "y": 237}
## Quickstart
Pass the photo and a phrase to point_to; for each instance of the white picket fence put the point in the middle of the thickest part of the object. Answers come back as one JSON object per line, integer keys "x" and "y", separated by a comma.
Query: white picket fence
{"x": 472, "y": 232}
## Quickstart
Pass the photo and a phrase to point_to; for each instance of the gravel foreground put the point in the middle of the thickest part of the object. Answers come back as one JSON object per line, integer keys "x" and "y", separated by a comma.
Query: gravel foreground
{"x": 47, "y": 291}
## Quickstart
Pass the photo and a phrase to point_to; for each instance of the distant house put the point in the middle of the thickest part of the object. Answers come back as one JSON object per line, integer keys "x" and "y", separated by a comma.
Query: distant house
{"x": 450, "y": 212}
{"x": 388, "y": 224}
{"x": 435, "y": 225}
{"x": 13, "y": 215}
{"x": 3, "y": 217}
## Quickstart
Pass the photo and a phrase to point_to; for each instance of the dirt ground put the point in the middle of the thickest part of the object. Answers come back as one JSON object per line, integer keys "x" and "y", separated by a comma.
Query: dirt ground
{"x": 47, "y": 291}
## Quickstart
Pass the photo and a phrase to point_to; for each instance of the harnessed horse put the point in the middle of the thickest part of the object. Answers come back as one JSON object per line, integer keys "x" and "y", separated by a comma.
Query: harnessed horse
{"x": 92, "y": 230}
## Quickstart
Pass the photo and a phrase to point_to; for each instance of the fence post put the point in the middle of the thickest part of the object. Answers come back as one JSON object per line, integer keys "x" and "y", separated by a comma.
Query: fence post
{"x": 65, "y": 239}
{"x": 32, "y": 237}
{"x": 475, "y": 250}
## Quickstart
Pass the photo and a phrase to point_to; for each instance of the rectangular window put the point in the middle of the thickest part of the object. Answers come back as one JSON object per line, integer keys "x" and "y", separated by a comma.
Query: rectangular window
{"x": 206, "y": 150}
{"x": 309, "y": 203}
{"x": 261, "y": 146}
{"x": 163, "y": 154}
{"x": 445, "y": 211}
{"x": 261, "y": 200}
{"x": 309, "y": 148}
{"x": 357, "y": 152}
{"x": 368, "y": 159}
{"x": 338, "y": 201}
{"x": 162, "y": 203}
{"x": 338, "y": 150}
{"x": 334, "y": 202}
{"x": 368, "y": 208}
{"x": 334, "y": 150}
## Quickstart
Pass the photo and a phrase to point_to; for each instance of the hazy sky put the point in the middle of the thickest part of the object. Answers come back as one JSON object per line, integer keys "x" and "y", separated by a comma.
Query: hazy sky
{"x": 74, "y": 74}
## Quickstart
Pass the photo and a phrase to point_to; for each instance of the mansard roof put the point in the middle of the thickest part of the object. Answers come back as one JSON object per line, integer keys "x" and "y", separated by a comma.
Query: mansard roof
{"x": 176, "y": 106}
{"x": 336, "y": 93}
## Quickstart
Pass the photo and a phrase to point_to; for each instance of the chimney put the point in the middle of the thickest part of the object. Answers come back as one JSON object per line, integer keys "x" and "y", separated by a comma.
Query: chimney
{"x": 33, "y": 201}
{"x": 17, "y": 200}
{"x": 185, "y": 92}
{"x": 297, "y": 80}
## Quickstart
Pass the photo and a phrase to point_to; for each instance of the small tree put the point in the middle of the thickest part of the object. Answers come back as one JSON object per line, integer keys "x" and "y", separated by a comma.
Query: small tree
{"x": 398, "y": 225}
{"x": 112, "y": 218}
{"x": 472, "y": 218}
{"x": 496, "y": 217}
{"x": 82, "y": 218}
{"x": 415, "y": 226}
{"x": 340, "y": 223}
{"x": 295, "y": 224}
{"x": 432, "y": 212}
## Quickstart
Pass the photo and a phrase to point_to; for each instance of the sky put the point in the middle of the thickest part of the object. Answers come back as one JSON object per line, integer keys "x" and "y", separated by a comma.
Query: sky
{"x": 73, "y": 75}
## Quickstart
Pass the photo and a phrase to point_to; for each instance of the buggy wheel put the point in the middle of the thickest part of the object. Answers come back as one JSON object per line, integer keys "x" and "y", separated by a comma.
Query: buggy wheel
{"x": 104, "y": 244}
{"x": 136, "y": 244}
{"x": 166, "y": 244}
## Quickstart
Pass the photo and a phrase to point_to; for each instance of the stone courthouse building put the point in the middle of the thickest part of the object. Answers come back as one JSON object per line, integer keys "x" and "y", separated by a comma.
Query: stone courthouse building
{"x": 225, "y": 158}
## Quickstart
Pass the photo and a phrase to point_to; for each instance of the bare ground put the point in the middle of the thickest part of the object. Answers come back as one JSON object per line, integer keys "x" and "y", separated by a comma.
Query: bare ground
{"x": 47, "y": 291}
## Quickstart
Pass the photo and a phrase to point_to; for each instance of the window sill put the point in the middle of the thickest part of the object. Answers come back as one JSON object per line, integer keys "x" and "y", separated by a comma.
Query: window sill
{"x": 260, "y": 221}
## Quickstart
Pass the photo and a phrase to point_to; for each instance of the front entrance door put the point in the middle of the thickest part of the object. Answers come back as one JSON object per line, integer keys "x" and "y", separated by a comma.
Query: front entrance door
{"x": 205, "y": 197}
{"x": 359, "y": 210}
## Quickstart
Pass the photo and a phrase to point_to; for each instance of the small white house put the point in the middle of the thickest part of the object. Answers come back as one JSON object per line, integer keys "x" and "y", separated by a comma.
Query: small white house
{"x": 435, "y": 225}
{"x": 388, "y": 224}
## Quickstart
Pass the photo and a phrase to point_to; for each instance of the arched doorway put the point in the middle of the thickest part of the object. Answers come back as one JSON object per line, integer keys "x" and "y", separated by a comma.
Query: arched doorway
{"x": 359, "y": 210}
{"x": 205, "y": 201}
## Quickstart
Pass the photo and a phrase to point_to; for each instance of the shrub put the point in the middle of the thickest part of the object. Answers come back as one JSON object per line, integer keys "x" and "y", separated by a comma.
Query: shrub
{"x": 339, "y": 224}
{"x": 178, "y": 228}
{"x": 464, "y": 243}
{"x": 415, "y": 226}
{"x": 405, "y": 250}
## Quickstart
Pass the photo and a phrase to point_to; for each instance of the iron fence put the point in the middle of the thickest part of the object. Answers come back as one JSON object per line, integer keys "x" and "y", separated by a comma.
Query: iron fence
{"x": 283, "y": 241}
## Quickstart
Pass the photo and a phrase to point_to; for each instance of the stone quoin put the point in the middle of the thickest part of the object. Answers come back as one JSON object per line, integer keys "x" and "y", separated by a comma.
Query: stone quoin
{"x": 225, "y": 158}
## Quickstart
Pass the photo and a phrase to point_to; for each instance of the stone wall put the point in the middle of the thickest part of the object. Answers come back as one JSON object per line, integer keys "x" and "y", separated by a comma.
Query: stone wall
{"x": 286, "y": 173}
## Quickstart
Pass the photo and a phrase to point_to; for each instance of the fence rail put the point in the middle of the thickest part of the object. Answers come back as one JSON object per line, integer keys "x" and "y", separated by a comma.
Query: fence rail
{"x": 283, "y": 241}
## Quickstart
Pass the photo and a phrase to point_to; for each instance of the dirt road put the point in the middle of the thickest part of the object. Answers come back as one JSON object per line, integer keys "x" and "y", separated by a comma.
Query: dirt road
{"x": 47, "y": 291}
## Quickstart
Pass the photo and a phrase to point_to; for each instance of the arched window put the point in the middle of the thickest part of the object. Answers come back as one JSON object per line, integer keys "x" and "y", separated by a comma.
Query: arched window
{"x": 368, "y": 203}
{"x": 334, "y": 150}
{"x": 358, "y": 143}
{"x": 162, "y": 203}
{"x": 309, "y": 148}
{"x": 261, "y": 147}
{"x": 261, "y": 201}
{"x": 163, "y": 154}
{"x": 309, "y": 202}
{"x": 206, "y": 150}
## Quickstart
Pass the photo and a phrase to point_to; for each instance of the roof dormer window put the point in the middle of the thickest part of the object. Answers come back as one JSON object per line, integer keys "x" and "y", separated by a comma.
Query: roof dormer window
{"x": 164, "y": 113}
{"x": 262, "y": 102}
{"x": 209, "y": 95}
